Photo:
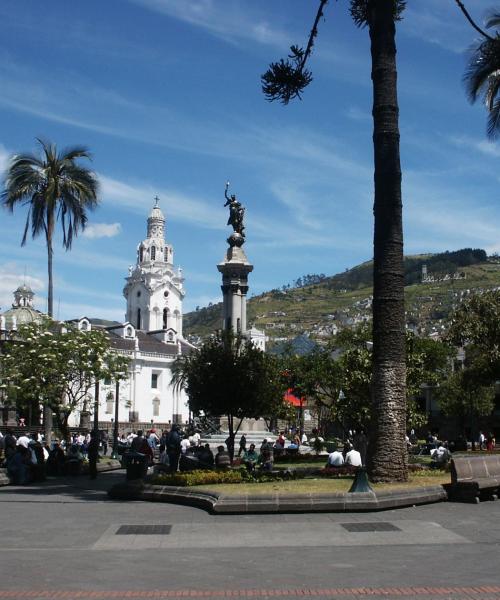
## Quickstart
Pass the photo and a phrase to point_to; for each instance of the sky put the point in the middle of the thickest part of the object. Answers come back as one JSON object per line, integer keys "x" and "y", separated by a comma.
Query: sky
{"x": 166, "y": 95}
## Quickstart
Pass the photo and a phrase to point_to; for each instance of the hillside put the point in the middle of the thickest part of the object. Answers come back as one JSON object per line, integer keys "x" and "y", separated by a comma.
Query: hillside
{"x": 343, "y": 300}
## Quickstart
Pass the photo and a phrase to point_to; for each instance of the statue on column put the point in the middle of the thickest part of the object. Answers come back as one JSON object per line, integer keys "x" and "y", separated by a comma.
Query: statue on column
{"x": 236, "y": 212}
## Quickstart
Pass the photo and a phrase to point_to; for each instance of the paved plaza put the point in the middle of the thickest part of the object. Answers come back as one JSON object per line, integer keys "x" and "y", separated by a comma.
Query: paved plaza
{"x": 66, "y": 539}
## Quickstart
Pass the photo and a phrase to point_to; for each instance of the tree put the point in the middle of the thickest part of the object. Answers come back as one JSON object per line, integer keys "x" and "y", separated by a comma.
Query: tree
{"x": 462, "y": 396}
{"x": 229, "y": 376}
{"x": 475, "y": 326}
{"x": 339, "y": 379}
{"x": 387, "y": 461}
{"x": 57, "y": 367}
{"x": 54, "y": 187}
{"x": 482, "y": 76}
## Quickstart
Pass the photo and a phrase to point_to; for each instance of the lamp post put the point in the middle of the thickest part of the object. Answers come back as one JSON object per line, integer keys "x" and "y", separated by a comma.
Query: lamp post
{"x": 96, "y": 408}
{"x": 114, "y": 454}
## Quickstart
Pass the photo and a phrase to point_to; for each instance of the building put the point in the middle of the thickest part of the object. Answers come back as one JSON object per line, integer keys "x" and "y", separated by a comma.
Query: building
{"x": 151, "y": 336}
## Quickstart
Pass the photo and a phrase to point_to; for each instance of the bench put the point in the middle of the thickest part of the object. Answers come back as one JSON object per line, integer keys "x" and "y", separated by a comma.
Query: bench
{"x": 474, "y": 478}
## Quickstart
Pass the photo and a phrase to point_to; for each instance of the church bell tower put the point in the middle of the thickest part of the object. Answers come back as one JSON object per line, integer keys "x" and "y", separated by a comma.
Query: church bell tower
{"x": 154, "y": 289}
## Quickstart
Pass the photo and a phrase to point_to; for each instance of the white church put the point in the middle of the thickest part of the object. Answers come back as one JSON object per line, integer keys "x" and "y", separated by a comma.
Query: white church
{"x": 151, "y": 336}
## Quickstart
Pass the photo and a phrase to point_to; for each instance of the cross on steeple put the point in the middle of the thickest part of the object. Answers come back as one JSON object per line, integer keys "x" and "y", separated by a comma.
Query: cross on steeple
{"x": 156, "y": 199}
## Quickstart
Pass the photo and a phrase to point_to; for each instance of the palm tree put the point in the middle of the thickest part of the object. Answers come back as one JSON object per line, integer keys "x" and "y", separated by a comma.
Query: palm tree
{"x": 53, "y": 187}
{"x": 482, "y": 76}
{"x": 388, "y": 455}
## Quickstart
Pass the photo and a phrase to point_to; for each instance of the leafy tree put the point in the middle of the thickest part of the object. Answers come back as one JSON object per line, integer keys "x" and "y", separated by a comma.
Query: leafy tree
{"x": 53, "y": 187}
{"x": 56, "y": 367}
{"x": 342, "y": 382}
{"x": 462, "y": 396}
{"x": 229, "y": 376}
{"x": 475, "y": 326}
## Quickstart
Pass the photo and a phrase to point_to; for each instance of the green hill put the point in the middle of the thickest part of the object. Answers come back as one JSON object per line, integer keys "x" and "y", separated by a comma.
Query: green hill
{"x": 342, "y": 300}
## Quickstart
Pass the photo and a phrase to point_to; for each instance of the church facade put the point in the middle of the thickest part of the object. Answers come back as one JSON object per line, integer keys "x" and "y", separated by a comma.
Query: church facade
{"x": 150, "y": 337}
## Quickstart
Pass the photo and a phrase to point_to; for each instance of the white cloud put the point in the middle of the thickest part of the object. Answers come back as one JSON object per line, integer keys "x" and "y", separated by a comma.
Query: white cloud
{"x": 138, "y": 198}
{"x": 481, "y": 145}
{"x": 229, "y": 21}
{"x": 100, "y": 230}
{"x": 4, "y": 158}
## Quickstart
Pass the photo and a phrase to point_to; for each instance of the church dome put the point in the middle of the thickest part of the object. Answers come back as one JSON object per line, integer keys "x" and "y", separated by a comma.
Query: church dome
{"x": 22, "y": 310}
{"x": 22, "y": 314}
{"x": 156, "y": 213}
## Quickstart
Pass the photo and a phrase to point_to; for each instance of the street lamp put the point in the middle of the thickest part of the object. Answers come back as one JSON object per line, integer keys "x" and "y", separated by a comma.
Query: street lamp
{"x": 114, "y": 454}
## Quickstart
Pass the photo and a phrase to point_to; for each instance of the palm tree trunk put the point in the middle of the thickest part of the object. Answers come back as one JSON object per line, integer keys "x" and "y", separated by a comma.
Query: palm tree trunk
{"x": 388, "y": 459}
{"x": 47, "y": 410}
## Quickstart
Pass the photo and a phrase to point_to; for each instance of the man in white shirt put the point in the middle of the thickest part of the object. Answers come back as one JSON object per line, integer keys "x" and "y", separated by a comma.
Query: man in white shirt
{"x": 353, "y": 457}
{"x": 335, "y": 459}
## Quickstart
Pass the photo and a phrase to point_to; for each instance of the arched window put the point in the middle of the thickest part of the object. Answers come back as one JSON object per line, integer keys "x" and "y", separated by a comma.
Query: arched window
{"x": 170, "y": 337}
{"x": 138, "y": 326}
{"x": 166, "y": 254}
{"x": 141, "y": 254}
{"x": 165, "y": 318}
{"x": 84, "y": 326}
{"x": 129, "y": 332}
{"x": 153, "y": 253}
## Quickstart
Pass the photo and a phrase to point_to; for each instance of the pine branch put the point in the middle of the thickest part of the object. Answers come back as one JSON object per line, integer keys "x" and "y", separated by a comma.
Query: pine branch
{"x": 286, "y": 80}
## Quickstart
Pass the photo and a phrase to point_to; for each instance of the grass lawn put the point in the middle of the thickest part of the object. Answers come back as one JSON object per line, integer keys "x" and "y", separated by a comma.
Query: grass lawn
{"x": 320, "y": 485}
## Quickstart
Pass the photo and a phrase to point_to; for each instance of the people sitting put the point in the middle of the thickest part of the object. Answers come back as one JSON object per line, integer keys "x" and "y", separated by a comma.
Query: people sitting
{"x": 335, "y": 459}
{"x": 353, "y": 458}
{"x": 56, "y": 460}
{"x": 266, "y": 459}
{"x": 440, "y": 456}
{"x": 74, "y": 460}
{"x": 206, "y": 457}
{"x": 279, "y": 445}
{"x": 18, "y": 466}
{"x": 222, "y": 459}
{"x": 250, "y": 458}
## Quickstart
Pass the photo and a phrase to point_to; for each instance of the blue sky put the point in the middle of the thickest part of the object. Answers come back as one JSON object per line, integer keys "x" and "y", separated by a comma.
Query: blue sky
{"x": 166, "y": 95}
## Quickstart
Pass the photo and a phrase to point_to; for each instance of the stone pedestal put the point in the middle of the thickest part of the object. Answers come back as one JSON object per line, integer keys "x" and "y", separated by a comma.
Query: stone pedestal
{"x": 235, "y": 269}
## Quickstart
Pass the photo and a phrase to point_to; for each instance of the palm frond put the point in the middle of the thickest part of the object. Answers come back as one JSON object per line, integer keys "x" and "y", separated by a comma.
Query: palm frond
{"x": 493, "y": 20}
{"x": 484, "y": 62}
{"x": 361, "y": 9}
{"x": 493, "y": 127}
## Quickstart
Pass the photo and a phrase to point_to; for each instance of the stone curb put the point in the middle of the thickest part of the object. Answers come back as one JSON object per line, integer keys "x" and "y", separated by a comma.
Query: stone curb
{"x": 275, "y": 503}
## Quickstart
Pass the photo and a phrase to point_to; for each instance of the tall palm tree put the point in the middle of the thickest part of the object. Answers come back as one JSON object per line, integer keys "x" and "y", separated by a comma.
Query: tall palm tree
{"x": 53, "y": 187}
{"x": 387, "y": 459}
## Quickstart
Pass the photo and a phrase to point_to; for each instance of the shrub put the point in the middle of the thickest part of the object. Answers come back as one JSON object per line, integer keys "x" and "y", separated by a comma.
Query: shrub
{"x": 197, "y": 478}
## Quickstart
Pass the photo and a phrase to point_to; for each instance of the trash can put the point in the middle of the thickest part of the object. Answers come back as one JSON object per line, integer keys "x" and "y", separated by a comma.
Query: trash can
{"x": 135, "y": 464}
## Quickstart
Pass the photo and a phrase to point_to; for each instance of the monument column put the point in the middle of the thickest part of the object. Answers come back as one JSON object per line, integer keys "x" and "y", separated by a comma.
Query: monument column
{"x": 235, "y": 269}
